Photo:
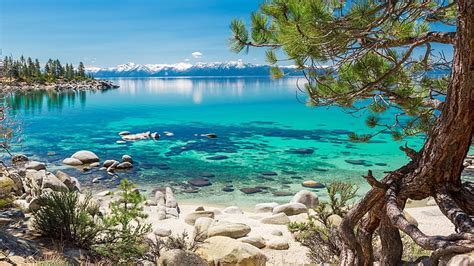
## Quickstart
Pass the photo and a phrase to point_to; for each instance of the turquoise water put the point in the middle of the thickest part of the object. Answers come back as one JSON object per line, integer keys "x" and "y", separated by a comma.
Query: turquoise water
{"x": 259, "y": 123}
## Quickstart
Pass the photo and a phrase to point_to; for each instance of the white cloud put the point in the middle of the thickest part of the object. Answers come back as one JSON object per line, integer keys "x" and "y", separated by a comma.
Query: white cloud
{"x": 186, "y": 60}
{"x": 197, "y": 54}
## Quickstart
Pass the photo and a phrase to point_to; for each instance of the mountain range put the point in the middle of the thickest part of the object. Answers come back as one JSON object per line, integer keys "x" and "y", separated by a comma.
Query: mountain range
{"x": 231, "y": 68}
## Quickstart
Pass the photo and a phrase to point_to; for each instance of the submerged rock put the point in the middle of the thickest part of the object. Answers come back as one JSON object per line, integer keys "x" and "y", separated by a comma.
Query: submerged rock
{"x": 251, "y": 190}
{"x": 199, "y": 182}
{"x": 301, "y": 151}
{"x": 356, "y": 162}
{"x": 127, "y": 158}
{"x": 312, "y": 184}
{"x": 269, "y": 173}
{"x": 217, "y": 158}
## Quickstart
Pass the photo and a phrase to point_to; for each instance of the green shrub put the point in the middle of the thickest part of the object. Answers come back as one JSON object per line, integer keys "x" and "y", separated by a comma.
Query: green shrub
{"x": 125, "y": 239}
{"x": 119, "y": 237}
{"x": 64, "y": 216}
{"x": 319, "y": 232}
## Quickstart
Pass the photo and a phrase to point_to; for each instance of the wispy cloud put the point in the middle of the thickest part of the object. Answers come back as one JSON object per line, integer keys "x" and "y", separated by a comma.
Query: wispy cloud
{"x": 197, "y": 54}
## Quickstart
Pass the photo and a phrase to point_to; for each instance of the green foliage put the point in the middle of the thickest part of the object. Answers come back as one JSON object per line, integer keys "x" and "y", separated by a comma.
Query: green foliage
{"x": 120, "y": 236}
{"x": 319, "y": 232}
{"x": 67, "y": 217}
{"x": 371, "y": 54}
{"x": 28, "y": 70}
{"x": 126, "y": 238}
{"x": 6, "y": 202}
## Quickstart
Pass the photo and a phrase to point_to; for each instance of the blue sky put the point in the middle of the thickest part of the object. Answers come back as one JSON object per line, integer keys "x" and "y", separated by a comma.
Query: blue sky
{"x": 106, "y": 33}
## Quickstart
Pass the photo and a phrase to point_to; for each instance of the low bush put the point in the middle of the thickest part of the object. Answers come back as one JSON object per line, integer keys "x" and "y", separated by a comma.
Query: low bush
{"x": 319, "y": 232}
{"x": 64, "y": 216}
{"x": 119, "y": 237}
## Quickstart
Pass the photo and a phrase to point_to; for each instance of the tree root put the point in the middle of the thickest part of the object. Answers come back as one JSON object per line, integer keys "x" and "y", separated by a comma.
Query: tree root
{"x": 456, "y": 243}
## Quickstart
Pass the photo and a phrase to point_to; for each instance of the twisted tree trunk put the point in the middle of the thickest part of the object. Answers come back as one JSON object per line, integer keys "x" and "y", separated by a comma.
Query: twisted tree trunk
{"x": 434, "y": 171}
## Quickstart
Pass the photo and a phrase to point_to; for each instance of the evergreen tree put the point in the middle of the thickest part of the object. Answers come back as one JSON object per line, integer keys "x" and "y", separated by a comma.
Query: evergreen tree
{"x": 372, "y": 47}
{"x": 81, "y": 71}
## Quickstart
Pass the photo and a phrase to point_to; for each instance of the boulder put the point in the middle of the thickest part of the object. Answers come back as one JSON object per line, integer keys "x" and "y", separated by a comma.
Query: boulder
{"x": 170, "y": 199}
{"x": 225, "y": 251}
{"x": 460, "y": 260}
{"x": 308, "y": 198}
{"x": 160, "y": 198}
{"x": 85, "y": 156}
{"x": 19, "y": 158}
{"x": 233, "y": 230}
{"x": 277, "y": 233}
{"x": 232, "y": 210}
{"x": 290, "y": 209}
{"x": 127, "y": 158}
{"x": 280, "y": 218}
{"x": 180, "y": 257}
{"x": 7, "y": 186}
{"x": 265, "y": 207}
{"x": 35, "y": 165}
{"x": 335, "y": 219}
{"x": 72, "y": 162}
{"x": 108, "y": 163}
{"x": 201, "y": 227}
{"x": 52, "y": 182}
{"x": 162, "y": 232}
{"x": 278, "y": 244}
{"x": 96, "y": 164}
{"x": 192, "y": 217}
{"x": 173, "y": 212}
{"x": 124, "y": 133}
{"x": 256, "y": 241}
{"x": 71, "y": 182}
{"x": 124, "y": 165}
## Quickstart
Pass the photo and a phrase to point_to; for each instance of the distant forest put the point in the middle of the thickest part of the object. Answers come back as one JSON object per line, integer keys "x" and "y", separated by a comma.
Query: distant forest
{"x": 29, "y": 70}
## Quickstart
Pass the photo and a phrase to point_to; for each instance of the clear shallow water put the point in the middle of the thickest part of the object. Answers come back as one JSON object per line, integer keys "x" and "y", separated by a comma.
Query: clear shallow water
{"x": 258, "y": 123}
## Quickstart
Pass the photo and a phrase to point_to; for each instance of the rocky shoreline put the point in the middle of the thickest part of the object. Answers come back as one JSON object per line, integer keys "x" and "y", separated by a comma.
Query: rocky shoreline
{"x": 59, "y": 85}
{"x": 228, "y": 234}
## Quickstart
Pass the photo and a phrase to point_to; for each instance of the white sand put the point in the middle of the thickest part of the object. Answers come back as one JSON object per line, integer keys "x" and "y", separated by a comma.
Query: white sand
{"x": 431, "y": 220}
{"x": 295, "y": 255}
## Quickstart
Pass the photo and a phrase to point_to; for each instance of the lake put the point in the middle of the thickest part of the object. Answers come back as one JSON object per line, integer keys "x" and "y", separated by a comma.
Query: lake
{"x": 262, "y": 125}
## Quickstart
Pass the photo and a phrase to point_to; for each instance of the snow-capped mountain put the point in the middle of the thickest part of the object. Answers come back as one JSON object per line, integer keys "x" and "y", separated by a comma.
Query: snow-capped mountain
{"x": 231, "y": 68}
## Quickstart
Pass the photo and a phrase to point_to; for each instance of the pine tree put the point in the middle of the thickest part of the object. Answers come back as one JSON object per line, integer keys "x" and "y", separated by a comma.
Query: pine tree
{"x": 81, "y": 71}
{"x": 372, "y": 48}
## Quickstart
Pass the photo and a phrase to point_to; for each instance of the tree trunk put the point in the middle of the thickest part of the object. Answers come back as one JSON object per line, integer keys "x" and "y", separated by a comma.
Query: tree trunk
{"x": 434, "y": 171}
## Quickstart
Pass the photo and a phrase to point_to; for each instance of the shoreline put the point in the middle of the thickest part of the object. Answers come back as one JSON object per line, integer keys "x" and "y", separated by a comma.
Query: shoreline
{"x": 59, "y": 85}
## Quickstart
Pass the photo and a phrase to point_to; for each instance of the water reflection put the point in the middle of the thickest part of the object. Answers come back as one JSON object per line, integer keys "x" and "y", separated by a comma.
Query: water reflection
{"x": 201, "y": 88}
{"x": 156, "y": 91}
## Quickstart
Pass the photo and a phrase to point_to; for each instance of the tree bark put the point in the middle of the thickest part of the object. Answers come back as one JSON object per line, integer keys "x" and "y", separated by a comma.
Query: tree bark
{"x": 434, "y": 171}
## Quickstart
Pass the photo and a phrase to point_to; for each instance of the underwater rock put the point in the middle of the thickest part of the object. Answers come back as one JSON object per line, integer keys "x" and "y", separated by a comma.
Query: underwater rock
{"x": 251, "y": 190}
{"x": 301, "y": 151}
{"x": 217, "y": 157}
{"x": 210, "y": 135}
{"x": 269, "y": 173}
{"x": 356, "y": 162}
{"x": 199, "y": 182}
{"x": 312, "y": 184}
